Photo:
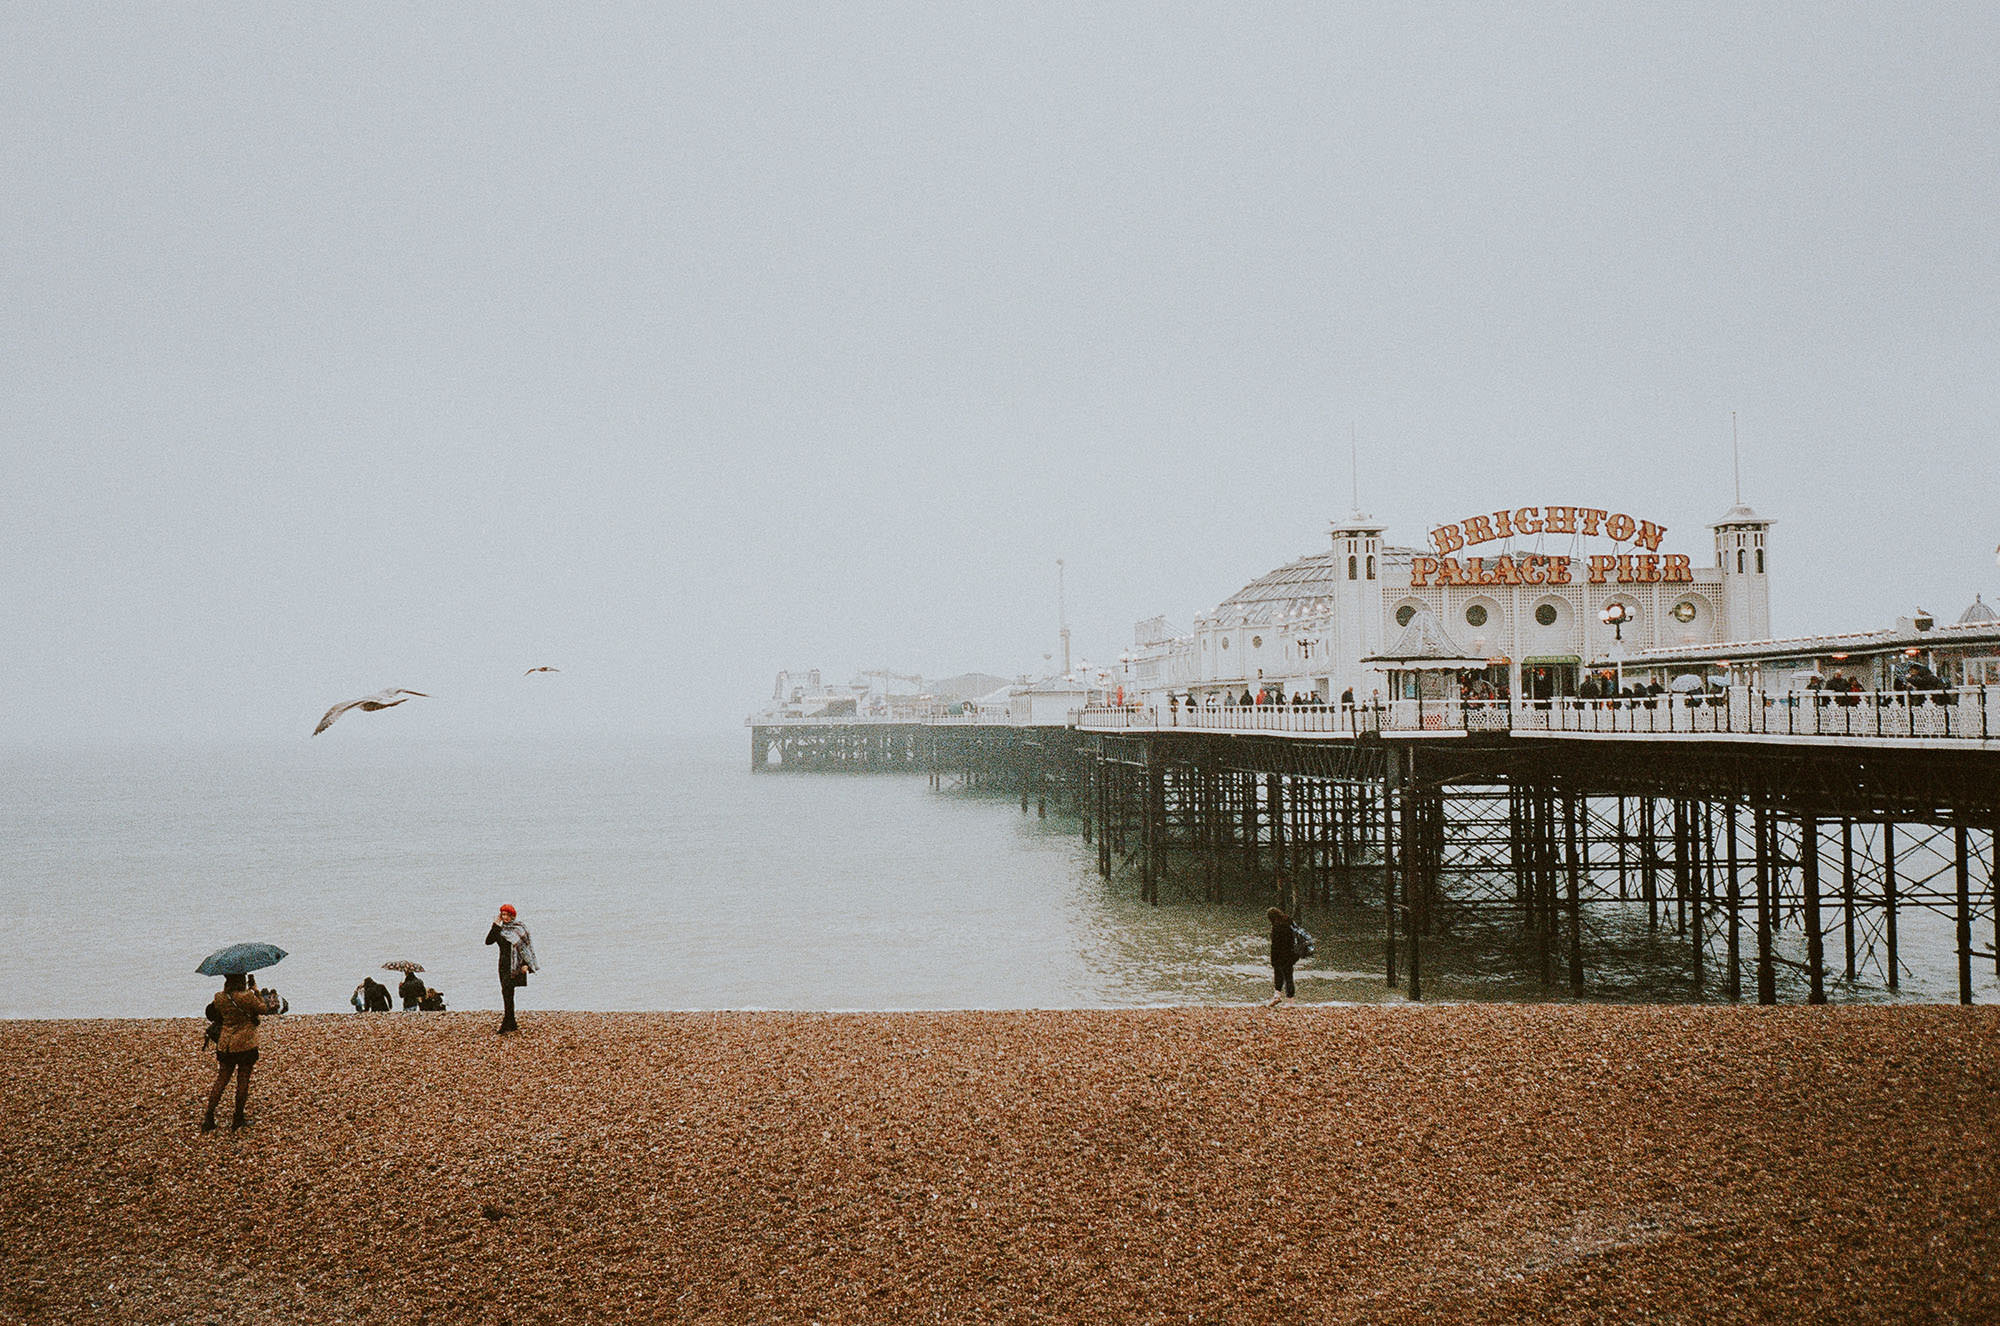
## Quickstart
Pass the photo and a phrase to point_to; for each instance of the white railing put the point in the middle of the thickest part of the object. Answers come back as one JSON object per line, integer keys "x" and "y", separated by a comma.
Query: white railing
{"x": 1969, "y": 714}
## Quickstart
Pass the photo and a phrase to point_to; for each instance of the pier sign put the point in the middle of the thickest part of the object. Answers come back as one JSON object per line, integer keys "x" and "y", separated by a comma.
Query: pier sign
{"x": 1633, "y": 568}
{"x": 1588, "y": 521}
{"x": 1536, "y": 569}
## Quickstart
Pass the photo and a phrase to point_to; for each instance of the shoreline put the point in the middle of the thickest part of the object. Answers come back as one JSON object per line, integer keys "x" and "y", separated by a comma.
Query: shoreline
{"x": 1471, "y": 1162}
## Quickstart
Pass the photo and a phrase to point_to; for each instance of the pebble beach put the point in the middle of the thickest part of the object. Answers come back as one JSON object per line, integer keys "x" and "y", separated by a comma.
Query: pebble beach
{"x": 1488, "y": 1163}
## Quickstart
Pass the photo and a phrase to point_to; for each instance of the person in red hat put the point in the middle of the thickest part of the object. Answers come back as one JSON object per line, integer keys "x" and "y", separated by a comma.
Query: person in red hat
{"x": 517, "y": 959}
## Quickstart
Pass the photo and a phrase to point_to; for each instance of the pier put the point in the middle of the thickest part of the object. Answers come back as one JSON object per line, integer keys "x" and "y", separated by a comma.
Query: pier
{"x": 1731, "y": 819}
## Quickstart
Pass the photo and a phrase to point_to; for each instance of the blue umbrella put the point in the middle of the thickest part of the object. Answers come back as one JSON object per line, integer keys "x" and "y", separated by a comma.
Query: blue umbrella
{"x": 238, "y": 958}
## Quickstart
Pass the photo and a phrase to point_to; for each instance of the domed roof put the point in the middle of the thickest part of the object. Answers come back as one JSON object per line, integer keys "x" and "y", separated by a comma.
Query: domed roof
{"x": 1980, "y": 611}
{"x": 1296, "y": 589}
{"x": 1741, "y": 514}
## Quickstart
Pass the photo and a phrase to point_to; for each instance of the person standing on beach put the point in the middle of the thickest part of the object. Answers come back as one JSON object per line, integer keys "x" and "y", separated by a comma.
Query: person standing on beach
{"x": 1283, "y": 959}
{"x": 517, "y": 959}
{"x": 236, "y": 1007}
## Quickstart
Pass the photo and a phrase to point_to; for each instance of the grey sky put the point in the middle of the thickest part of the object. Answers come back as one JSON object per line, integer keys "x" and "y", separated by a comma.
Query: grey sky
{"x": 355, "y": 346}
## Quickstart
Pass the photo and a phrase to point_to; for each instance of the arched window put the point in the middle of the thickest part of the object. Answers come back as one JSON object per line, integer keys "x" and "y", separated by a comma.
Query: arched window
{"x": 1760, "y": 561}
{"x": 1351, "y": 567}
{"x": 1371, "y": 566}
{"x": 1739, "y": 561}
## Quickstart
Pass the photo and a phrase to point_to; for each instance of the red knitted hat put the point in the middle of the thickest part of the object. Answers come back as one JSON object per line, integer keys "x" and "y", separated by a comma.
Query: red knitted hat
{"x": 507, "y": 909}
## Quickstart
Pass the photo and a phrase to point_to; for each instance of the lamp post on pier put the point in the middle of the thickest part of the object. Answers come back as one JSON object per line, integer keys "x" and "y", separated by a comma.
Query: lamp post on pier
{"x": 1615, "y": 615}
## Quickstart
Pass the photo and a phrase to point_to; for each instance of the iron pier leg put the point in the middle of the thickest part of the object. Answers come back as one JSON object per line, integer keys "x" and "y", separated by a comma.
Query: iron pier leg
{"x": 1962, "y": 867}
{"x": 1574, "y": 808}
{"x": 1735, "y": 904}
{"x": 1815, "y": 944}
{"x": 1762, "y": 831}
{"x": 1889, "y": 904}
{"x": 1648, "y": 884}
{"x": 1411, "y": 868}
{"x": 1847, "y": 888}
{"x": 1389, "y": 873}
{"x": 1691, "y": 895}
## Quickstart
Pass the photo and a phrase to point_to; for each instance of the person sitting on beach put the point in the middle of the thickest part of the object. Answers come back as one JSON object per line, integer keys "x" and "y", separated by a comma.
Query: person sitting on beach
{"x": 432, "y": 1002}
{"x": 236, "y": 1008}
{"x": 411, "y": 989}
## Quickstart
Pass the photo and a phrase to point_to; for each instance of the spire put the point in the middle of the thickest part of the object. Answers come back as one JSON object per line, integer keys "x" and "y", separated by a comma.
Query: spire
{"x": 1736, "y": 457}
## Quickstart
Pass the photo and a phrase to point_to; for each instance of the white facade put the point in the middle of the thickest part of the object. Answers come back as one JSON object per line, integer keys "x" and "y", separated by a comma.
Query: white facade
{"x": 1527, "y": 599}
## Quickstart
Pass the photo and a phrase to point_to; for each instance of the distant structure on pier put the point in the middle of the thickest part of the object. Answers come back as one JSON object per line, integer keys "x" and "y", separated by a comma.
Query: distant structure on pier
{"x": 877, "y": 693}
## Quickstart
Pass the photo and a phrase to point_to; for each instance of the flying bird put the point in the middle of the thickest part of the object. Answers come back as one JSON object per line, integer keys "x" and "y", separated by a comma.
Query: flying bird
{"x": 532, "y": 671}
{"x": 388, "y": 699}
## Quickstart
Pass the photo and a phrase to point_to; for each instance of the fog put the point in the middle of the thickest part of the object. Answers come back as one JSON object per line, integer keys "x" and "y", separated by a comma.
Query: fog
{"x": 367, "y": 345}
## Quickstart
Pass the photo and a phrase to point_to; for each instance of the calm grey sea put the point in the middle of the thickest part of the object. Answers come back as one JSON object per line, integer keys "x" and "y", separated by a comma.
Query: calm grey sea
{"x": 654, "y": 874}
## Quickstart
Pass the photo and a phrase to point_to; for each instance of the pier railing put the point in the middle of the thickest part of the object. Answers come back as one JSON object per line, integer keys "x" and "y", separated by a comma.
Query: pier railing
{"x": 1968, "y": 714}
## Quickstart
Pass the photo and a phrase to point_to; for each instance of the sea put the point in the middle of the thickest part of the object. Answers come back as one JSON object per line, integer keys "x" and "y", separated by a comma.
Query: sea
{"x": 660, "y": 873}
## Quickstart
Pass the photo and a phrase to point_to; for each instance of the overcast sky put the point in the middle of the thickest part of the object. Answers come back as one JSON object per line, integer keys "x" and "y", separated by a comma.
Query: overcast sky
{"x": 361, "y": 345}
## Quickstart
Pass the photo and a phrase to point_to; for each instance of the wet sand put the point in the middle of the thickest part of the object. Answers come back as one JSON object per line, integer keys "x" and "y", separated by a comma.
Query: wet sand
{"x": 1461, "y": 1164}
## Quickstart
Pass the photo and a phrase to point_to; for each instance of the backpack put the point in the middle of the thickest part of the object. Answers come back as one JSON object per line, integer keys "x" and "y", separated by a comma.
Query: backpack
{"x": 1302, "y": 943}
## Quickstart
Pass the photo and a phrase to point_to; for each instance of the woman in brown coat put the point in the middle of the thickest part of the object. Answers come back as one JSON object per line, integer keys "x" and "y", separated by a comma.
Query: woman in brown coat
{"x": 238, "y": 1007}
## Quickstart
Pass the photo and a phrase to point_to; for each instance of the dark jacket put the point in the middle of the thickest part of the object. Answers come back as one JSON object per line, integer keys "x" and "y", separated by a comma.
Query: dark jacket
{"x": 1281, "y": 944}
{"x": 411, "y": 989}
{"x": 493, "y": 936}
{"x": 374, "y": 995}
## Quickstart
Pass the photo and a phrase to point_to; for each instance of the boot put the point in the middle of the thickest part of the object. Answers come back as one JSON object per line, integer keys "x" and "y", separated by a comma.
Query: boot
{"x": 208, "y": 1122}
{"x": 237, "y": 1121}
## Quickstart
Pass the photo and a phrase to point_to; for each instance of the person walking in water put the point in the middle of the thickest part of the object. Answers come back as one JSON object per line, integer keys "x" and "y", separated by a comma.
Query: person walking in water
{"x": 517, "y": 959}
{"x": 236, "y": 1008}
{"x": 1283, "y": 959}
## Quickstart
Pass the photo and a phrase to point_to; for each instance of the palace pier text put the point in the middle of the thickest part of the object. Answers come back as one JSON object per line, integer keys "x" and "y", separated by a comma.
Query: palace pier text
{"x": 1724, "y": 834}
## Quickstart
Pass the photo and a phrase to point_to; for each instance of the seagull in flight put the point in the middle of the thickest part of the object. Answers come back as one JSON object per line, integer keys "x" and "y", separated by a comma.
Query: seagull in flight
{"x": 532, "y": 671}
{"x": 388, "y": 699}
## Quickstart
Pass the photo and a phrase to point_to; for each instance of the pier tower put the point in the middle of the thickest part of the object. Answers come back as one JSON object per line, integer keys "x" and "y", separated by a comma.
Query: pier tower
{"x": 1740, "y": 538}
{"x": 1357, "y": 602}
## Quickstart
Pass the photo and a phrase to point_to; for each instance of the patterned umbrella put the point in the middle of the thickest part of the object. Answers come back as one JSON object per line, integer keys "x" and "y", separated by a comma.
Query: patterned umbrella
{"x": 402, "y": 964}
{"x": 239, "y": 958}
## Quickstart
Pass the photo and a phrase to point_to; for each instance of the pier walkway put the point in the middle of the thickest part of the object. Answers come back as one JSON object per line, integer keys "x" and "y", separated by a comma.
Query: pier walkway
{"x": 1956, "y": 718}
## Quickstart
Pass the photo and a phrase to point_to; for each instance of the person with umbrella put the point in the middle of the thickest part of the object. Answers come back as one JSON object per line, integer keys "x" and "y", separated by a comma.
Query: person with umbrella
{"x": 237, "y": 1007}
{"x": 410, "y": 988}
{"x": 517, "y": 959}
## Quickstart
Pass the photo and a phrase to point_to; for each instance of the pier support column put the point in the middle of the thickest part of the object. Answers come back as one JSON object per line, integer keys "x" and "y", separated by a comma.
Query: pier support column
{"x": 1889, "y": 902}
{"x": 1412, "y": 869}
{"x": 1573, "y": 808}
{"x": 1962, "y": 870}
{"x": 1815, "y": 942}
{"x": 1847, "y": 889}
{"x": 1734, "y": 904}
{"x": 1764, "y": 831}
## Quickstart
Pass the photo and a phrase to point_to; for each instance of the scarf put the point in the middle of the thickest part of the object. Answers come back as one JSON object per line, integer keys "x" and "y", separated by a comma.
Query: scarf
{"x": 516, "y": 934}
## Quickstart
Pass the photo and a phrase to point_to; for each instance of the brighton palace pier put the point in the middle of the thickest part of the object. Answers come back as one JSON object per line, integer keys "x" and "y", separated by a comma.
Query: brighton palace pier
{"x": 1550, "y": 718}
{"x": 1523, "y": 600}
